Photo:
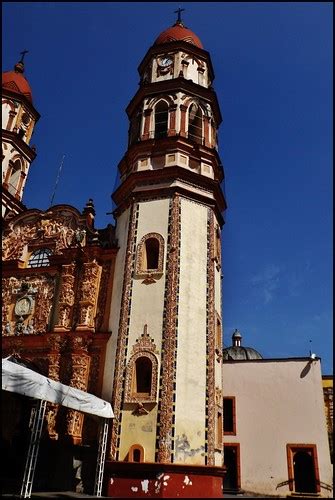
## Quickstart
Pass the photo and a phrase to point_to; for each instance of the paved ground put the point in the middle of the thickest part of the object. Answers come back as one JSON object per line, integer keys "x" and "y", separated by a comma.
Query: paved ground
{"x": 71, "y": 494}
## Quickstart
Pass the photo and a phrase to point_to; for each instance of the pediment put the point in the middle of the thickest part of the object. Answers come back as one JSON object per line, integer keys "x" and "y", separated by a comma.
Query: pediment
{"x": 62, "y": 226}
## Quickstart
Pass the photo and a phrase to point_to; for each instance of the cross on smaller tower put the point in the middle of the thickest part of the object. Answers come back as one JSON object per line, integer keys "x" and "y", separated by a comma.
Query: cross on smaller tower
{"x": 23, "y": 53}
{"x": 179, "y": 11}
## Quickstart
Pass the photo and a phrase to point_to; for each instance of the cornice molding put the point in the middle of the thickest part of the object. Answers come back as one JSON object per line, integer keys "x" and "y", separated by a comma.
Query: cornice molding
{"x": 21, "y": 146}
{"x": 7, "y": 93}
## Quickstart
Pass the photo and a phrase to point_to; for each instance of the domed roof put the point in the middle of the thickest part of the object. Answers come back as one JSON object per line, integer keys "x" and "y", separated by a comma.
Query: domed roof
{"x": 178, "y": 32}
{"x": 16, "y": 82}
{"x": 237, "y": 352}
{"x": 240, "y": 353}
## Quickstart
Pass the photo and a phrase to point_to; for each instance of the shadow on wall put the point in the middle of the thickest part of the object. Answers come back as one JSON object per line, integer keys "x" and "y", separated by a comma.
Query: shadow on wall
{"x": 306, "y": 370}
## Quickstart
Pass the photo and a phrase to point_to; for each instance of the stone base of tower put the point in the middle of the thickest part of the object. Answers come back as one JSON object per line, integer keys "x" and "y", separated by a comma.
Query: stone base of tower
{"x": 155, "y": 480}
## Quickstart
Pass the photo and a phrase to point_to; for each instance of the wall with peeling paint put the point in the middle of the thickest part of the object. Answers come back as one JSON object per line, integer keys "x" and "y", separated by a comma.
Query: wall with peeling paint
{"x": 191, "y": 351}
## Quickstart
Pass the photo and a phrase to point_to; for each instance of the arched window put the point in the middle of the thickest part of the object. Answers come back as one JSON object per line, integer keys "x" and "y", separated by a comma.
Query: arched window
{"x": 142, "y": 377}
{"x": 195, "y": 123}
{"x": 150, "y": 253}
{"x": 142, "y": 373}
{"x": 136, "y": 453}
{"x": 161, "y": 119}
{"x": 40, "y": 258}
{"x": 14, "y": 177}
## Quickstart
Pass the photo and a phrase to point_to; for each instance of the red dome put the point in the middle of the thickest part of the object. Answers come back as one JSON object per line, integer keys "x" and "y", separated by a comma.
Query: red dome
{"x": 178, "y": 32}
{"x": 16, "y": 82}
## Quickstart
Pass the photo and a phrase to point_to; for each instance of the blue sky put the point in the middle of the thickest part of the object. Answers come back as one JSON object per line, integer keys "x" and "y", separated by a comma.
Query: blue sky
{"x": 273, "y": 67}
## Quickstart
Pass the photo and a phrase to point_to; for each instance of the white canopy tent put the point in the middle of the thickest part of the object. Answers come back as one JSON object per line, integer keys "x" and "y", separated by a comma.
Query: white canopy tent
{"x": 22, "y": 380}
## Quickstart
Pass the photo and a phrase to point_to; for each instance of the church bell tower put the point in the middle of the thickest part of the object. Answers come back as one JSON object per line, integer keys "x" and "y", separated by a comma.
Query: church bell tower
{"x": 18, "y": 121}
{"x": 164, "y": 362}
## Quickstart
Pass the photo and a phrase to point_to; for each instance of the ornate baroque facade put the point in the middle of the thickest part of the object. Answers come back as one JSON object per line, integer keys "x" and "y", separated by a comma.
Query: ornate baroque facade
{"x": 131, "y": 313}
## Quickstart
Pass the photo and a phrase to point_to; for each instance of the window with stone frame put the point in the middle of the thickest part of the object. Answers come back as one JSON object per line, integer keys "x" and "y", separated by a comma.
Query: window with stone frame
{"x": 150, "y": 255}
{"x": 161, "y": 119}
{"x": 195, "y": 124}
{"x": 141, "y": 378}
{"x": 142, "y": 371}
{"x": 229, "y": 416}
{"x": 135, "y": 454}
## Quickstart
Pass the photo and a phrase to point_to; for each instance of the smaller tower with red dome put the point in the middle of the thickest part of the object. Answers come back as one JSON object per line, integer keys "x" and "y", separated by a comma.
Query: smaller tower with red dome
{"x": 19, "y": 117}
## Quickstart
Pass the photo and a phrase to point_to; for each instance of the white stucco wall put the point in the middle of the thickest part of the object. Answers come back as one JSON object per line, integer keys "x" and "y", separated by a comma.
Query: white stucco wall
{"x": 121, "y": 235}
{"x": 191, "y": 350}
{"x": 278, "y": 402}
{"x": 147, "y": 306}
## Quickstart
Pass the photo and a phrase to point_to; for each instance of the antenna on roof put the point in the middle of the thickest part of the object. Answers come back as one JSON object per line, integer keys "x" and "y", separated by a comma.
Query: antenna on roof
{"x": 57, "y": 179}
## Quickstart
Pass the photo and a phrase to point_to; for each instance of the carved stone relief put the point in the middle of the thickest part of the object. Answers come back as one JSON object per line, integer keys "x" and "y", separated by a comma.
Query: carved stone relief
{"x": 27, "y": 304}
{"x": 80, "y": 373}
{"x": 166, "y": 406}
{"x": 66, "y": 298}
{"x": 58, "y": 228}
{"x": 88, "y": 295}
{"x": 144, "y": 347}
{"x": 123, "y": 331}
{"x": 211, "y": 319}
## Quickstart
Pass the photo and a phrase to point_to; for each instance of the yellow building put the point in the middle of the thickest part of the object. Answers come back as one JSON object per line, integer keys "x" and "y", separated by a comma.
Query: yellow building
{"x": 327, "y": 385}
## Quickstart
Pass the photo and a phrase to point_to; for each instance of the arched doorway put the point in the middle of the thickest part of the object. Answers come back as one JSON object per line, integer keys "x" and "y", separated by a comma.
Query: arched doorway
{"x": 304, "y": 473}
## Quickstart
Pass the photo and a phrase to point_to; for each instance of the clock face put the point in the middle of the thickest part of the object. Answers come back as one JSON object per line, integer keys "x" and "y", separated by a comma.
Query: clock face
{"x": 165, "y": 62}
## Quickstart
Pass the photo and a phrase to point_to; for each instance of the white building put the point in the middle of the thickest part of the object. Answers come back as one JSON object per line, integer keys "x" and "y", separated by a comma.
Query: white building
{"x": 275, "y": 434}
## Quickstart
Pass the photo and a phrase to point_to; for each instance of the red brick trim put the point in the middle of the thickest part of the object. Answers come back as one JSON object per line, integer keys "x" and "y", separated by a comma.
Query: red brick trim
{"x": 233, "y": 432}
{"x": 291, "y": 449}
{"x": 238, "y": 460}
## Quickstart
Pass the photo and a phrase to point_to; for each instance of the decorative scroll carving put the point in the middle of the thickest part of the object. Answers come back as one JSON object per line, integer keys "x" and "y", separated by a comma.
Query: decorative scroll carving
{"x": 66, "y": 298}
{"x": 94, "y": 371}
{"x": 55, "y": 343}
{"x": 79, "y": 379}
{"x": 169, "y": 340}
{"x": 122, "y": 333}
{"x": 43, "y": 303}
{"x": 7, "y": 286}
{"x": 218, "y": 397}
{"x": 57, "y": 227}
{"x": 211, "y": 319}
{"x": 88, "y": 295}
{"x": 27, "y": 304}
{"x": 101, "y": 306}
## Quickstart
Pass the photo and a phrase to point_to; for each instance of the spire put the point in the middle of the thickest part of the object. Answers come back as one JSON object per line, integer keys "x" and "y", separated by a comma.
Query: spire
{"x": 19, "y": 67}
{"x": 179, "y": 20}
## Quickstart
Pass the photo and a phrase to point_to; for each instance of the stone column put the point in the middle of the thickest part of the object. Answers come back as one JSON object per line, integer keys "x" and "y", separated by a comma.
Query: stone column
{"x": 55, "y": 342}
{"x": 88, "y": 296}
{"x": 172, "y": 125}
{"x": 183, "y": 110}
{"x": 146, "y": 130}
{"x": 81, "y": 361}
{"x": 66, "y": 299}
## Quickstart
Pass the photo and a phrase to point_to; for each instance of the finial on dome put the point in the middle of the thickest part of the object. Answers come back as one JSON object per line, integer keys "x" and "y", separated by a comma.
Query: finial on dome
{"x": 19, "y": 67}
{"x": 179, "y": 21}
{"x": 236, "y": 338}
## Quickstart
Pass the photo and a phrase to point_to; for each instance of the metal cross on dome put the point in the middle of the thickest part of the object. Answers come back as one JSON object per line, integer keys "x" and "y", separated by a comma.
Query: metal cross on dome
{"x": 23, "y": 53}
{"x": 179, "y": 11}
